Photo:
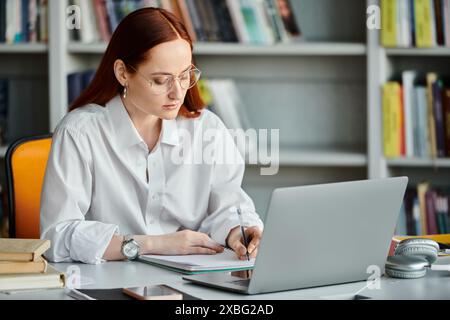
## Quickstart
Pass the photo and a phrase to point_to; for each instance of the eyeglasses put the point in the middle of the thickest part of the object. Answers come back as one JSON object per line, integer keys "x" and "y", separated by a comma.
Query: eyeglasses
{"x": 160, "y": 84}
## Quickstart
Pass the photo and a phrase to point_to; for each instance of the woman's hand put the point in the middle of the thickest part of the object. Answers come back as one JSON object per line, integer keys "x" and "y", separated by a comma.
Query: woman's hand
{"x": 236, "y": 242}
{"x": 183, "y": 242}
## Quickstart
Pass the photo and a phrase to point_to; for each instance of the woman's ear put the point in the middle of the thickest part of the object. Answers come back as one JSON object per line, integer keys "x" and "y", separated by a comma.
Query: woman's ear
{"x": 120, "y": 71}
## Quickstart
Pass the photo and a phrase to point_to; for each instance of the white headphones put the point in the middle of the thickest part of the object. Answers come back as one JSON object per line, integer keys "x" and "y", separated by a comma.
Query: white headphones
{"x": 412, "y": 257}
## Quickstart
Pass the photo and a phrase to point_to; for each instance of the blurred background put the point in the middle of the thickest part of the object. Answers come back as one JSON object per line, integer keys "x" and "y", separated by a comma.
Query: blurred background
{"x": 358, "y": 89}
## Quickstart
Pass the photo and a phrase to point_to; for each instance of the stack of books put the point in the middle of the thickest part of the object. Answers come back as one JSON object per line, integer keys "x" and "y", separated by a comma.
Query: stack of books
{"x": 23, "y": 21}
{"x": 415, "y": 23}
{"x": 245, "y": 21}
{"x": 23, "y": 267}
{"x": 416, "y": 116}
{"x": 425, "y": 211}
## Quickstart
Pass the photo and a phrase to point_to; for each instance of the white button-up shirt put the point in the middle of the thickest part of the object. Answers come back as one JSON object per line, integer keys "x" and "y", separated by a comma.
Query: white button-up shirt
{"x": 101, "y": 179}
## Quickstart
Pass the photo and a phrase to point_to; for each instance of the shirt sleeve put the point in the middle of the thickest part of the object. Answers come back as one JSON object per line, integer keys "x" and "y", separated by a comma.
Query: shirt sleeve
{"x": 65, "y": 200}
{"x": 226, "y": 192}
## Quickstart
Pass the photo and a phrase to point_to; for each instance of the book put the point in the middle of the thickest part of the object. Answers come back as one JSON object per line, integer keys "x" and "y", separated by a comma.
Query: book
{"x": 389, "y": 23}
{"x": 184, "y": 11}
{"x": 431, "y": 79}
{"x": 430, "y": 200}
{"x": 437, "y": 88}
{"x": 2, "y": 20}
{"x": 52, "y": 278}
{"x": 422, "y": 122}
{"x": 252, "y": 23}
{"x": 422, "y": 189}
{"x": 11, "y": 267}
{"x": 408, "y": 78}
{"x": 200, "y": 263}
{"x": 423, "y": 11}
{"x": 237, "y": 19}
{"x": 392, "y": 119}
{"x": 289, "y": 19}
{"x": 22, "y": 249}
{"x": 196, "y": 21}
{"x": 101, "y": 15}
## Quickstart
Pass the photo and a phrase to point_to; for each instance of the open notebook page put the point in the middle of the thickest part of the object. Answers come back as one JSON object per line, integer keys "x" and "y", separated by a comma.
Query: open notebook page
{"x": 225, "y": 260}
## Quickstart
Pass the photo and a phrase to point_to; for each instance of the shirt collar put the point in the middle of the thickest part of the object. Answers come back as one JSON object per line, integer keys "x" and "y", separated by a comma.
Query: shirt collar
{"x": 126, "y": 133}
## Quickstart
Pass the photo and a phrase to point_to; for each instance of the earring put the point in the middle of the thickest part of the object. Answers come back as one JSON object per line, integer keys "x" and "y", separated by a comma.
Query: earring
{"x": 125, "y": 92}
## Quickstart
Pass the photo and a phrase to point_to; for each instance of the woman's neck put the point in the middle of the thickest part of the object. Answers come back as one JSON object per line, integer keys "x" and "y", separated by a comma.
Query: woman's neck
{"x": 148, "y": 126}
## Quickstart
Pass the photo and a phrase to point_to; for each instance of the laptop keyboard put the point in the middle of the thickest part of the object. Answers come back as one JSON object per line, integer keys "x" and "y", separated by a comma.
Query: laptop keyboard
{"x": 244, "y": 283}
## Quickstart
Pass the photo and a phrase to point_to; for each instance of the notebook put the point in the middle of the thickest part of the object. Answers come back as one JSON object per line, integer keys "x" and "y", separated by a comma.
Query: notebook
{"x": 199, "y": 263}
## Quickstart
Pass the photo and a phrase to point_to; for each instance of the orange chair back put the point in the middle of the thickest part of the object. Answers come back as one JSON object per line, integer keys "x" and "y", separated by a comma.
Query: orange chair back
{"x": 26, "y": 161}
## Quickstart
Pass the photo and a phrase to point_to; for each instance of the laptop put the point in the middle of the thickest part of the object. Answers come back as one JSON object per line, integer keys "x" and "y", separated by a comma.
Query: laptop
{"x": 320, "y": 235}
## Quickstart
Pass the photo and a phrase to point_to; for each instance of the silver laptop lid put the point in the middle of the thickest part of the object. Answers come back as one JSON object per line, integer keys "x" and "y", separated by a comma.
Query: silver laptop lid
{"x": 327, "y": 234}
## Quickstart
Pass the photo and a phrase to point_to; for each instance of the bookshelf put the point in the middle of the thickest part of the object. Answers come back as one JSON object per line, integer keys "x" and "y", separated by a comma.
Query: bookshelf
{"x": 384, "y": 63}
{"x": 24, "y": 48}
{"x": 316, "y": 91}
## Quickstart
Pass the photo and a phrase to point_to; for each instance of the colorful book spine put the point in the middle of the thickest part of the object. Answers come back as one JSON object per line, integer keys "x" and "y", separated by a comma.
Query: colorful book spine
{"x": 392, "y": 119}
{"x": 389, "y": 23}
{"x": 423, "y": 11}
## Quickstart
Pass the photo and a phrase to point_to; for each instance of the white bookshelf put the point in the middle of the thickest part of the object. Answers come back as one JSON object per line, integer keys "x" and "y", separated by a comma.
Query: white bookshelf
{"x": 384, "y": 63}
{"x": 419, "y": 162}
{"x": 24, "y": 48}
{"x": 322, "y": 93}
{"x": 443, "y": 52}
{"x": 322, "y": 158}
{"x": 320, "y": 49}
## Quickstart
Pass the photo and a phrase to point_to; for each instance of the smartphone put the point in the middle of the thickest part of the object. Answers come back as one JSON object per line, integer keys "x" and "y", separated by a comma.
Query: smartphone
{"x": 153, "y": 292}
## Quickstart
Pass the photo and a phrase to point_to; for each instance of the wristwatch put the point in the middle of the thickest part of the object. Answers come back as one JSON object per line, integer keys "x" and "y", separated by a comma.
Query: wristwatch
{"x": 130, "y": 248}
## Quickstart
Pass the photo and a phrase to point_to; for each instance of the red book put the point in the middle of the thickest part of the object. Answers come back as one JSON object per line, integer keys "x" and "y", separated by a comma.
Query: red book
{"x": 430, "y": 203}
{"x": 102, "y": 20}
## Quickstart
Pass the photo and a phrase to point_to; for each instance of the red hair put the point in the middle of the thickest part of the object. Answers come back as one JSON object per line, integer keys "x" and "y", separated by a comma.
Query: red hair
{"x": 138, "y": 32}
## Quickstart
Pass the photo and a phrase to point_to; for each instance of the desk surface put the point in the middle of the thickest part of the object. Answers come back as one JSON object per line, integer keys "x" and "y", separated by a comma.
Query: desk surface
{"x": 128, "y": 274}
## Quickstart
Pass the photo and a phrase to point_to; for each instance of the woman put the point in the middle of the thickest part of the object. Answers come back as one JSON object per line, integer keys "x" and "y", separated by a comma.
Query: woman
{"x": 113, "y": 188}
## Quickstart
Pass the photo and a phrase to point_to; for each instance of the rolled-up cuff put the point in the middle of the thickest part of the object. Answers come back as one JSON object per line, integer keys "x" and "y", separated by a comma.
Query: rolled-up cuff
{"x": 90, "y": 240}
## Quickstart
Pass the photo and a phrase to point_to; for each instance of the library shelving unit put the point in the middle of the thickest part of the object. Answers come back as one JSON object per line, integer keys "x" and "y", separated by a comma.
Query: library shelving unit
{"x": 383, "y": 64}
{"x": 319, "y": 92}
{"x": 25, "y": 66}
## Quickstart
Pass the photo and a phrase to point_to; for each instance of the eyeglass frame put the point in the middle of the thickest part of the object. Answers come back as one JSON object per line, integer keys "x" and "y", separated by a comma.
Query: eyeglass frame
{"x": 172, "y": 76}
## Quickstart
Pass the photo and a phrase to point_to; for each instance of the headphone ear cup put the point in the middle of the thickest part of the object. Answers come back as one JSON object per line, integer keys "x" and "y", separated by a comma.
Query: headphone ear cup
{"x": 420, "y": 241}
{"x": 428, "y": 252}
{"x": 405, "y": 274}
{"x": 406, "y": 267}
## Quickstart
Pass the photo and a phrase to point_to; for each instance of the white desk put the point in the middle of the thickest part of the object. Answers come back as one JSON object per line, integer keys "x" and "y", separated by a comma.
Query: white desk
{"x": 436, "y": 285}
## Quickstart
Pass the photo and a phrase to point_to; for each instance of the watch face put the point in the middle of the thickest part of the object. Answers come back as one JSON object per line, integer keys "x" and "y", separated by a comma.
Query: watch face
{"x": 130, "y": 250}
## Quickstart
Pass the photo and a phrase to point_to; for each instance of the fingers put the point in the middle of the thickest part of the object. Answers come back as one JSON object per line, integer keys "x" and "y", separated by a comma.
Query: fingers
{"x": 203, "y": 240}
{"x": 254, "y": 234}
{"x": 239, "y": 248}
{"x": 201, "y": 250}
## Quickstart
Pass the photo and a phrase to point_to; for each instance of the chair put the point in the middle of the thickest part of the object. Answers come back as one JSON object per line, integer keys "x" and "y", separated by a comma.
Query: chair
{"x": 26, "y": 160}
